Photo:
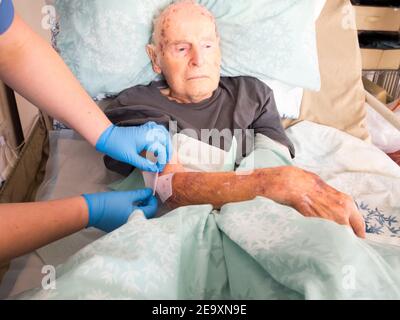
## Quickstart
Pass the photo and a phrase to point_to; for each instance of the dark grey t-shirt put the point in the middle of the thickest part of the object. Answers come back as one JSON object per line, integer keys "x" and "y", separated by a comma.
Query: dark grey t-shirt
{"x": 239, "y": 103}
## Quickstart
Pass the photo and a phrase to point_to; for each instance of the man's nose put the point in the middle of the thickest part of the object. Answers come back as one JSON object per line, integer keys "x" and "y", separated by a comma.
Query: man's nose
{"x": 197, "y": 57}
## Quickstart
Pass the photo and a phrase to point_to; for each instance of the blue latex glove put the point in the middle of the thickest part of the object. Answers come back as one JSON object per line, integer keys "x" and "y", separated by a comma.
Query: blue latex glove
{"x": 110, "y": 210}
{"x": 126, "y": 143}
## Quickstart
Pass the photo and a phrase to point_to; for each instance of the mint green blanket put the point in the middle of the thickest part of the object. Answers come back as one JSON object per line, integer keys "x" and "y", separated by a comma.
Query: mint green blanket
{"x": 256, "y": 249}
{"x": 249, "y": 250}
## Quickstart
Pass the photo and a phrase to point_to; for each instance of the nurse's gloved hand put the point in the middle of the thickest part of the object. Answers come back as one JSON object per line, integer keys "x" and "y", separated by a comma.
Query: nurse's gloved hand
{"x": 110, "y": 210}
{"x": 126, "y": 143}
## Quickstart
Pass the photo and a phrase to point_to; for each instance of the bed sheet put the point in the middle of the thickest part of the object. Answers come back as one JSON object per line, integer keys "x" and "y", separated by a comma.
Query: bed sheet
{"x": 256, "y": 249}
{"x": 24, "y": 273}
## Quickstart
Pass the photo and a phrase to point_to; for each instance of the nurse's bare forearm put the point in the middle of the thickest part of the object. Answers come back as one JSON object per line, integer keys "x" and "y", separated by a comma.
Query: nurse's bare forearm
{"x": 31, "y": 67}
{"x": 224, "y": 187}
{"x": 25, "y": 227}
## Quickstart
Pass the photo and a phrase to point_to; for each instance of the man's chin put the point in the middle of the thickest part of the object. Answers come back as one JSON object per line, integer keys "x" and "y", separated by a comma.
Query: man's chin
{"x": 202, "y": 87}
{"x": 201, "y": 94}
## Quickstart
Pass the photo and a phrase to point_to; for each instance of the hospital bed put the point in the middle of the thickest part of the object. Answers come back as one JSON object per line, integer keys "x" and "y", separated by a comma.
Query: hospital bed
{"x": 334, "y": 116}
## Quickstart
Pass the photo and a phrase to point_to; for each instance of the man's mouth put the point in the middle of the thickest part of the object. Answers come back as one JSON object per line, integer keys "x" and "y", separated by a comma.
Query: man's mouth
{"x": 197, "y": 77}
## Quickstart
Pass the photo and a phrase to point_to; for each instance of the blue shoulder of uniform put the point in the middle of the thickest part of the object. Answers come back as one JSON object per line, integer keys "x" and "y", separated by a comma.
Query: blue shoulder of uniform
{"x": 6, "y": 15}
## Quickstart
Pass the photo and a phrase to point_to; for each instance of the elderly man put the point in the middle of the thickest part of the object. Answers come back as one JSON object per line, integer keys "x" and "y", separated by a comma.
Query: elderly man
{"x": 185, "y": 51}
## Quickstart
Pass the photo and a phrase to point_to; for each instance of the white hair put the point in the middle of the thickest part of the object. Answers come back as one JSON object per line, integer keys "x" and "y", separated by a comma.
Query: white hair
{"x": 164, "y": 12}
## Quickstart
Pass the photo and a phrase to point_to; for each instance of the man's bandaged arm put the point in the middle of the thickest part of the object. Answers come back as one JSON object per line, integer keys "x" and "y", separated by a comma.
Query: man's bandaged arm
{"x": 252, "y": 179}
{"x": 288, "y": 185}
{"x": 177, "y": 188}
{"x": 219, "y": 188}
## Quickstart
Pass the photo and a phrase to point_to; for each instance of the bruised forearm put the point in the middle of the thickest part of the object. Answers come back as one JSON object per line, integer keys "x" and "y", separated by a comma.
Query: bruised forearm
{"x": 288, "y": 185}
{"x": 189, "y": 188}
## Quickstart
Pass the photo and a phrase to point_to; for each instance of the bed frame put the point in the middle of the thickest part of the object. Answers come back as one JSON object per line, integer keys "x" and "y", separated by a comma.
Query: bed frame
{"x": 28, "y": 172}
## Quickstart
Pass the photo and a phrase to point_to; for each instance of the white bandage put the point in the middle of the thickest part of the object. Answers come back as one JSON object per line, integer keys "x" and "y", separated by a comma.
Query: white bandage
{"x": 150, "y": 180}
{"x": 164, "y": 187}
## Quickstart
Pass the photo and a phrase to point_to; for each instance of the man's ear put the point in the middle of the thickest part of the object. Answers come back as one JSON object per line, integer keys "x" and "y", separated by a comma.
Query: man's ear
{"x": 151, "y": 52}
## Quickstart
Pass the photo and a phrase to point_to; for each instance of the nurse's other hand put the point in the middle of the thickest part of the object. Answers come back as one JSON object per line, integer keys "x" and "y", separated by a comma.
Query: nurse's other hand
{"x": 110, "y": 210}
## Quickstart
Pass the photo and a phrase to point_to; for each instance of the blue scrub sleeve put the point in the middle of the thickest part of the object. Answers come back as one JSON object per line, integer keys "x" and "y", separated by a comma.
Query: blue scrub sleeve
{"x": 6, "y": 15}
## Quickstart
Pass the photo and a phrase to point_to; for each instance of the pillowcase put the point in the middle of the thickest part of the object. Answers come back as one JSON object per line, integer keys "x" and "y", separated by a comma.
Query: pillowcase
{"x": 287, "y": 98}
{"x": 269, "y": 39}
{"x": 341, "y": 101}
{"x": 103, "y": 42}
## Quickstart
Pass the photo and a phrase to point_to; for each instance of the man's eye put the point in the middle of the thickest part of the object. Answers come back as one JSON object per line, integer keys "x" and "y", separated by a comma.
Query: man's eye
{"x": 181, "y": 49}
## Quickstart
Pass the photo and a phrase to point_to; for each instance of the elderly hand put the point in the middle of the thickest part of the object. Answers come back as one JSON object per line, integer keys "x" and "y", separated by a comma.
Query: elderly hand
{"x": 126, "y": 143}
{"x": 312, "y": 197}
{"x": 110, "y": 210}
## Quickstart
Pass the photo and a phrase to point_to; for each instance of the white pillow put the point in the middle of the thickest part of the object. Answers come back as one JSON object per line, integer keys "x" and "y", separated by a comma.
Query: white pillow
{"x": 95, "y": 40}
{"x": 383, "y": 134}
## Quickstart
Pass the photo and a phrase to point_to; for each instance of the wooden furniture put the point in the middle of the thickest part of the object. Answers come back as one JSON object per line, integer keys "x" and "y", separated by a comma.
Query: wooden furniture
{"x": 383, "y": 22}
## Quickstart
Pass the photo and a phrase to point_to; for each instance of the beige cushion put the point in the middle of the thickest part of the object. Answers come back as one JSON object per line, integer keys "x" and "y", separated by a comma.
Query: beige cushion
{"x": 340, "y": 102}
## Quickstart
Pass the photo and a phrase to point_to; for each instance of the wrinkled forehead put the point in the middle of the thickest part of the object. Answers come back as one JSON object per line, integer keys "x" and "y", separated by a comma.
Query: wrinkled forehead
{"x": 184, "y": 21}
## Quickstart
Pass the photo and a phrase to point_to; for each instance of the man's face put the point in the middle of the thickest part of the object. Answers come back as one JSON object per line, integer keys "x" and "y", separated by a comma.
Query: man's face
{"x": 189, "y": 55}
